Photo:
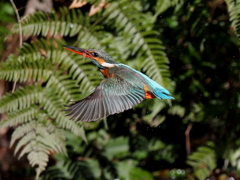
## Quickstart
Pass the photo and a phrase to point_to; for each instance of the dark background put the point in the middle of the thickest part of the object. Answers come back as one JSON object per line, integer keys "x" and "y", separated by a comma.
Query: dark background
{"x": 203, "y": 51}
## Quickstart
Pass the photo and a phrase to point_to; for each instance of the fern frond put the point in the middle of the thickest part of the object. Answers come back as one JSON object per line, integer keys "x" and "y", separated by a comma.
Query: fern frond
{"x": 203, "y": 161}
{"x": 75, "y": 127}
{"x": 26, "y": 71}
{"x": 38, "y": 158}
{"x": 235, "y": 158}
{"x": 50, "y": 50}
{"x": 67, "y": 88}
{"x": 19, "y": 117}
{"x": 38, "y": 139}
{"x": 54, "y": 107}
{"x": 91, "y": 37}
{"x": 69, "y": 170}
{"x": 84, "y": 74}
{"x": 234, "y": 12}
{"x": 25, "y": 133}
{"x": 22, "y": 98}
{"x": 177, "y": 110}
{"x": 69, "y": 23}
{"x": 49, "y": 139}
{"x": 163, "y": 5}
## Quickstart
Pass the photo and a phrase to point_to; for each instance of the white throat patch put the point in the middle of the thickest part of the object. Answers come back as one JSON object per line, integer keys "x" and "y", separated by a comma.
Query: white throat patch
{"x": 108, "y": 65}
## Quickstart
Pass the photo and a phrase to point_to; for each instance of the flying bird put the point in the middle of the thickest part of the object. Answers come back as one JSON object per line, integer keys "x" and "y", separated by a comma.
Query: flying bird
{"x": 122, "y": 88}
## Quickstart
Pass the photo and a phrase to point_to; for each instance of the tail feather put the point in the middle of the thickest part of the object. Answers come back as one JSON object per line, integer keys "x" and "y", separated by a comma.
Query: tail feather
{"x": 159, "y": 91}
{"x": 162, "y": 95}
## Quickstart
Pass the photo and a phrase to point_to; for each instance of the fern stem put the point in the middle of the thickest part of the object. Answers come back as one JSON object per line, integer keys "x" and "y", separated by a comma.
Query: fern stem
{"x": 20, "y": 34}
{"x": 19, "y": 22}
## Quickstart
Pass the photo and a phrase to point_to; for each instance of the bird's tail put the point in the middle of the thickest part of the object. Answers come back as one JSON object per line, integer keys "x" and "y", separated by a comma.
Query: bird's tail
{"x": 162, "y": 94}
{"x": 159, "y": 91}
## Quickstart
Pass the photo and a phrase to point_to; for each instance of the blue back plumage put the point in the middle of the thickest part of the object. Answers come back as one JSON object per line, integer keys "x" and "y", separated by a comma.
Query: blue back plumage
{"x": 159, "y": 91}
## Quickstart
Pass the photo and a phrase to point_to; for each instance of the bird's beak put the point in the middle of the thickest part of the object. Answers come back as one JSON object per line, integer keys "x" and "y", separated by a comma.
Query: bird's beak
{"x": 87, "y": 53}
{"x": 82, "y": 52}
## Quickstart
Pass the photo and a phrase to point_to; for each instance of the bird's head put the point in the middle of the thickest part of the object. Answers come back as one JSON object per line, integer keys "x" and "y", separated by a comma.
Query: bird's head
{"x": 99, "y": 58}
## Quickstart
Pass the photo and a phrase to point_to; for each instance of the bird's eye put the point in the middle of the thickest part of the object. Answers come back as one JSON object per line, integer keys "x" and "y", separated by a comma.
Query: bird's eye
{"x": 95, "y": 54}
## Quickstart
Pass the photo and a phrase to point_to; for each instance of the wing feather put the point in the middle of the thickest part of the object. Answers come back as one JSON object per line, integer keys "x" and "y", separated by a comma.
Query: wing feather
{"x": 75, "y": 111}
{"x": 113, "y": 95}
{"x": 87, "y": 111}
{"x": 105, "y": 107}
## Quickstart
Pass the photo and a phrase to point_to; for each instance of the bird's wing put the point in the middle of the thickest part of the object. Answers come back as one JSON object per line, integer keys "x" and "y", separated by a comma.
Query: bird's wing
{"x": 113, "y": 95}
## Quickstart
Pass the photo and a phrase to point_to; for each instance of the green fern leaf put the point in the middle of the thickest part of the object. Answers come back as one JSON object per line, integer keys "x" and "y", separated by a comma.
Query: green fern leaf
{"x": 74, "y": 127}
{"x": 22, "y": 98}
{"x": 54, "y": 107}
{"x": 235, "y": 158}
{"x": 203, "y": 162}
{"x": 38, "y": 139}
{"x": 69, "y": 170}
{"x": 19, "y": 117}
{"x": 25, "y": 71}
{"x": 38, "y": 158}
{"x": 69, "y": 23}
{"x": 67, "y": 88}
{"x": 234, "y": 12}
{"x": 163, "y": 5}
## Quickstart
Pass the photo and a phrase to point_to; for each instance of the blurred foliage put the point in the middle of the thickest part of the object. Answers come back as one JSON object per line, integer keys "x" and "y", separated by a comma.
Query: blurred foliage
{"x": 203, "y": 160}
{"x": 7, "y": 16}
{"x": 233, "y": 8}
{"x": 200, "y": 39}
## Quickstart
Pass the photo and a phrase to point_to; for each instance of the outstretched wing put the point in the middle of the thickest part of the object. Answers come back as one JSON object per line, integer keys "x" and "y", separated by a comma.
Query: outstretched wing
{"x": 113, "y": 95}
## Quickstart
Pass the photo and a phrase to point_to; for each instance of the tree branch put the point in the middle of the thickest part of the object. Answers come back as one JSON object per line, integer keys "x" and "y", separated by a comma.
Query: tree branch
{"x": 187, "y": 136}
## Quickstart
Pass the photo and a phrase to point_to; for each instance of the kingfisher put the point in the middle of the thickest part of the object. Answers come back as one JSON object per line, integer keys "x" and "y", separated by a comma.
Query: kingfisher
{"x": 122, "y": 88}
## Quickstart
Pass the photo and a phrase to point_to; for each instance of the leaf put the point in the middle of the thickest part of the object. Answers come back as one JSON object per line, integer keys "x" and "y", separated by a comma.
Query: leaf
{"x": 69, "y": 170}
{"x": 117, "y": 146}
{"x": 203, "y": 161}
{"x": 235, "y": 158}
{"x": 40, "y": 23}
{"x": 234, "y": 12}
{"x": 138, "y": 173}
